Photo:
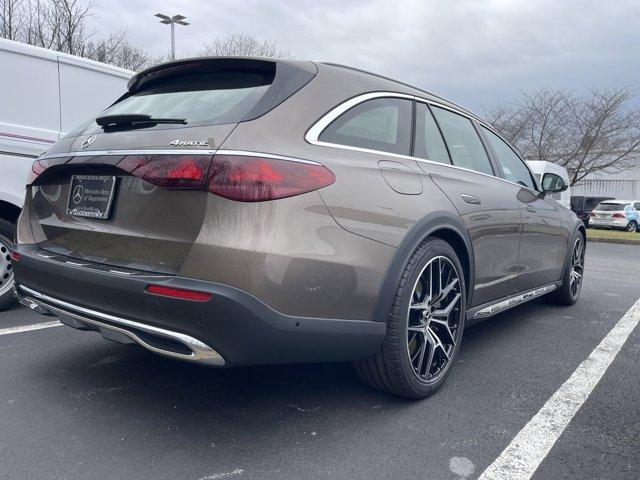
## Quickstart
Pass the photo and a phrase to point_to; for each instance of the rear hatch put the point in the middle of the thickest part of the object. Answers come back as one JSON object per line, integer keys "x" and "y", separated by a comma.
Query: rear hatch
{"x": 130, "y": 188}
{"x": 605, "y": 210}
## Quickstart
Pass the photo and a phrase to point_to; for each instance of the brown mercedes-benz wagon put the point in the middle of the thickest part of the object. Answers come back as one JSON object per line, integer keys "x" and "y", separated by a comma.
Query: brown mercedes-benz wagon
{"x": 237, "y": 211}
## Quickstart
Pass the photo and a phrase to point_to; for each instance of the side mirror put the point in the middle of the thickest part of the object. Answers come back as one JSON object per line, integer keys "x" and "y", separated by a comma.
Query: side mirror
{"x": 552, "y": 183}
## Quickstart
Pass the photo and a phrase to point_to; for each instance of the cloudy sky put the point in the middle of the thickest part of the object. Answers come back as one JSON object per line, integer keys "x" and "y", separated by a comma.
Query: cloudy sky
{"x": 477, "y": 53}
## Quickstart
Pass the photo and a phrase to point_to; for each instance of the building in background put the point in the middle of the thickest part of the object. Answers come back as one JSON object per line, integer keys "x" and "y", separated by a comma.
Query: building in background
{"x": 625, "y": 185}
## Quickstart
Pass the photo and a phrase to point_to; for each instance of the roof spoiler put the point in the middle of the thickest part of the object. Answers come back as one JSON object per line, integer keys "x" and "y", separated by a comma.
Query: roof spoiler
{"x": 199, "y": 63}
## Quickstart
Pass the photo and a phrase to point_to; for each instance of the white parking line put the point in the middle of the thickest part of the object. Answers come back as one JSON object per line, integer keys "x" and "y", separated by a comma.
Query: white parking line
{"x": 28, "y": 328}
{"x": 530, "y": 446}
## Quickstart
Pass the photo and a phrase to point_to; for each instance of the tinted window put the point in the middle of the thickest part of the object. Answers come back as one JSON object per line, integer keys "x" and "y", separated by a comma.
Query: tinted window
{"x": 381, "y": 124}
{"x": 513, "y": 168}
{"x": 591, "y": 202}
{"x": 610, "y": 207}
{"x": 464, "y": 143}
{"x": 637, "y": 206}
{"x": 210, "y": 98}
{"x": 429, "y": 143}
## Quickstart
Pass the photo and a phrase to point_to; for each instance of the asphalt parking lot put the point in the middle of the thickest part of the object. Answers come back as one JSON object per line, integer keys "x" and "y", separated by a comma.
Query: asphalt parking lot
{"x": 73, "y": 405}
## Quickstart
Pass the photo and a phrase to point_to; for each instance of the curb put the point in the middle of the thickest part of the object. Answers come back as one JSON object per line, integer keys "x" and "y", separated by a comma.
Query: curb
{"x": 613, "y": 240}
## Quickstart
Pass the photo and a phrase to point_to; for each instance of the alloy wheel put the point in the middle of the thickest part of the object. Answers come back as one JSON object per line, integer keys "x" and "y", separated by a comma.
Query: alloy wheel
{"x": 434, "y": 316}
{"x": 577, "y": 267}
{"x": 6, "y": 269}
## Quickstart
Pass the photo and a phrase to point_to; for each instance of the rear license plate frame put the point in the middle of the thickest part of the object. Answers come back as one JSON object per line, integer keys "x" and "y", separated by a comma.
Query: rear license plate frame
{"x": 91, "y": 196}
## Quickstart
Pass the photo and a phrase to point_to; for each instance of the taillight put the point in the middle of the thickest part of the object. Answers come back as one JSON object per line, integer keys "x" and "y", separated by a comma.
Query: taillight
{"x": 618, "y": 215}
{"x": 243, "y": 178}
{"x": 39, "y": 166}
{"x": 592, "y": 214}
{"x": 36, "y": 169}
{"x": 180, "y": 293}
{"x": 256, "y": 179}
{"x": 15, "y": 256}
{"x": 169, "y": 171}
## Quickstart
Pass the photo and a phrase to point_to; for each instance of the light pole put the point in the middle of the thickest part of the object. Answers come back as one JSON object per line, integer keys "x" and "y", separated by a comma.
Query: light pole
{"x": 167, "y": 20}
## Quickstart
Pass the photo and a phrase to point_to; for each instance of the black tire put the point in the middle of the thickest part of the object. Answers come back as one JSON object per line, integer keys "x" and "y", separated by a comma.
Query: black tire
{"x": 632, "y": 226}
{"x": 7, "y": 233}
{"x": 392, "y": 369}
{"x": 568, "y": 294}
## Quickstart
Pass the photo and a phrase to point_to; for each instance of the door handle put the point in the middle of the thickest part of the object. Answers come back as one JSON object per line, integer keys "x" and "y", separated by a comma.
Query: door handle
{"x": 530, "y": 208}
{"x": 471, "y": 199}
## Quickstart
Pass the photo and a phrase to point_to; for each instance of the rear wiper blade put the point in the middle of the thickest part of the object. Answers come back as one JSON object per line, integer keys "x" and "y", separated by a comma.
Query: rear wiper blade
{"x": 134, "y": 119}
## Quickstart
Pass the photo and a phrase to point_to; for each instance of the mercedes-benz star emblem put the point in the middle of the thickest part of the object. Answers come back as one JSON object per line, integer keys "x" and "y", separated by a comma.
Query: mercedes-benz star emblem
{"x": 78, "y": 193}
{"x": 88, "y": 141}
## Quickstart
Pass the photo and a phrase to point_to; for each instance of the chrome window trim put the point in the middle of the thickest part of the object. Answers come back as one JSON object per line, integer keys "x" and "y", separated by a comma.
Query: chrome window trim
{"x": 245, "y": 153}
{"x": 99, "y": 153}
{"x": 316, "y": 129}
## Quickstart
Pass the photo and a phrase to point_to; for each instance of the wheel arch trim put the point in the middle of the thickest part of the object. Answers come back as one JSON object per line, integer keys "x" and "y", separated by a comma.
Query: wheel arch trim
{"x": 578, "y": 227}
{"x": 430, "y": 225}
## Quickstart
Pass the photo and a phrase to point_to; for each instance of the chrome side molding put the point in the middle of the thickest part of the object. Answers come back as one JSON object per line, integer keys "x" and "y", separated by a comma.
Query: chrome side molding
{"x": 118, "y": 328}
{"x": 503, "y": 305}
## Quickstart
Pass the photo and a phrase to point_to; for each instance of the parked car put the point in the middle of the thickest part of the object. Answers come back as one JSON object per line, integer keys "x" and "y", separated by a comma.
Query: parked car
{"x": 47, "y": 93}
{"x": 617, "y": 214}
{"x": 582, "y": 206}
{"x": 540, "y": 167}
{"x": 235, "y": 211}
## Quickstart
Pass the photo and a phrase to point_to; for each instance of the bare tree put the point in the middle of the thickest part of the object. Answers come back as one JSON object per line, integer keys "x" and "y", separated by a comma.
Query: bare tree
{"x": 242, "y": 45}
{"x": 62, "y": 25}
{"x": 12, "y": 18}
{"x": 597, "y": 132}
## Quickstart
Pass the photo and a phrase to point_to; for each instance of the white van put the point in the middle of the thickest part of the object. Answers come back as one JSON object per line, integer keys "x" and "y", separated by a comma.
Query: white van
{"x": 540, "y": 167}
{"x": 44, "y": 95}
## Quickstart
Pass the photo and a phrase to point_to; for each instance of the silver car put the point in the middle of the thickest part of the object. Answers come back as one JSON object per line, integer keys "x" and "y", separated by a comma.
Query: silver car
{"x": 616, "y": 214}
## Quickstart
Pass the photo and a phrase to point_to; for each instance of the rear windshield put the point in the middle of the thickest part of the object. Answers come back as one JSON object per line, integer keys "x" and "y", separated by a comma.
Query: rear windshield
{"x": 610, "y": 207}
{"x": 201, "y": 98}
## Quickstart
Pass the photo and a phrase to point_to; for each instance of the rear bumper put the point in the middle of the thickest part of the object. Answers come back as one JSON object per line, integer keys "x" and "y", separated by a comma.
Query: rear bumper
{"x": 618, "y": 223}
{"x": 233, "y": 328}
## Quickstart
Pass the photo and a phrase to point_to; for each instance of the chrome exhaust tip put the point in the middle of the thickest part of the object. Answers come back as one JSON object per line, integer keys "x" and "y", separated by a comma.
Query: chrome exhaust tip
{"x": 155, "y": 339}
{"x": 30, "y": 304}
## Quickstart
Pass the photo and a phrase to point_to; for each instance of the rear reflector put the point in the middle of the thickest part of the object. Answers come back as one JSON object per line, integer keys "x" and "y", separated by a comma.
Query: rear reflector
{"x": 178, "y": 293}
{"x": 257, "y": 179}
{"x": 15, "y": 256}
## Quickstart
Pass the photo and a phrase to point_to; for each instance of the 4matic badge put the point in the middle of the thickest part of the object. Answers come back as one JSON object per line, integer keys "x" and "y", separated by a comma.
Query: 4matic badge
{"x": 190, "y": 143}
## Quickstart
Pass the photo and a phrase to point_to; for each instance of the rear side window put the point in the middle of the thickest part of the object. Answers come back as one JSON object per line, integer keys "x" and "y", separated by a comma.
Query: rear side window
{"x": 513, "y": 168}
{"x": 204, "y": 98}
{"x": 464, "y": 143}
{"x": 429, "y": 143}
{"x": 382, "y": 124}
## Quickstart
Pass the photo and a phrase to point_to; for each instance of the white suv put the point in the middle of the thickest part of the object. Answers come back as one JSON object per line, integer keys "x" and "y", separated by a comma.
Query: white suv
{"x": 618, "y": 214}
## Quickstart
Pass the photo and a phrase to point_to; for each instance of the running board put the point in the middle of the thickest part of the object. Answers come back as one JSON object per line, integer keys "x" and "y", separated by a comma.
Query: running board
{"x": 487, "y": 311}
{"x": 155, "y": 339}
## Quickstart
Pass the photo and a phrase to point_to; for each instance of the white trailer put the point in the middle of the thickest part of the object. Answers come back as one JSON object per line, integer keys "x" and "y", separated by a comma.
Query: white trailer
{"x": 44, "y": 95}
